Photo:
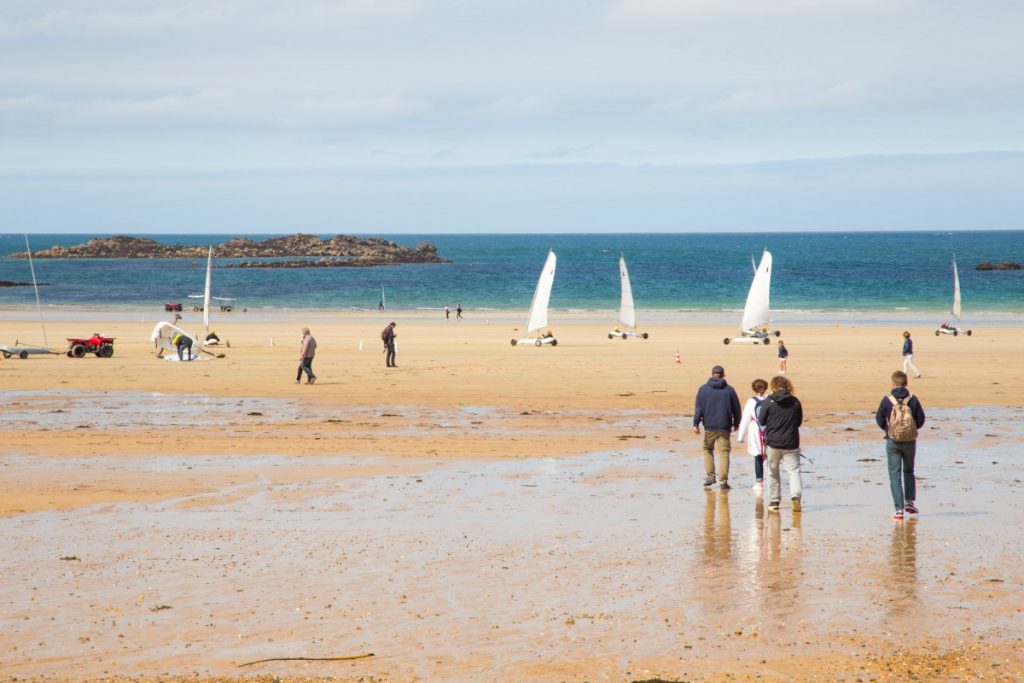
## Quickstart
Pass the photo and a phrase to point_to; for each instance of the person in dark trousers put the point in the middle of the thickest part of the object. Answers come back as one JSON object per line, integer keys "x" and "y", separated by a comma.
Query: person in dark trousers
{"x": 447, "y": 312}
{"x": 458, "y": 311}
{"x": 183, "y": 343}
{"x": 306, "y": 352}
{"x": 781, "y": 416}
{"x": 908, "y": 355}
{"x": 718, "y": 407}
{"x": 388, "y": 337}
{"x": 900, "y": 454}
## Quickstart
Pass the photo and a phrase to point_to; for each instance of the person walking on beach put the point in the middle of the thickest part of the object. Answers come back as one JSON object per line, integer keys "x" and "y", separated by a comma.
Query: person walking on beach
{"x": 388, "y": 335}
{"x": 752, "y": 432}
{"x": 783, "y": 355}
{"x": 908, "y": 355}
{"x": 307, "y": 349}
{"x": 183, "y": 343}
{"x": 718, "y": 407}
{"x": 781, "y": 416}
{"x": 458, "y": 311}
{"x": 447, "y": 312}
{"x": 900, "y": 416}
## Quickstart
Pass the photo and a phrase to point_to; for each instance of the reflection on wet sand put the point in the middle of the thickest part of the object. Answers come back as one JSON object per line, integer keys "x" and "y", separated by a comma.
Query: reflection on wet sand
{"x": 902, "y": 577}
{"x": 717, "y": 529}
{"x": 781, "y": 565}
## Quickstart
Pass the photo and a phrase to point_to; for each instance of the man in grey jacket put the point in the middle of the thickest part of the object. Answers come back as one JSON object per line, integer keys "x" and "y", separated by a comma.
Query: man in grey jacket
{"x": 718, "y": 407}
{"x": 306, "y": 352}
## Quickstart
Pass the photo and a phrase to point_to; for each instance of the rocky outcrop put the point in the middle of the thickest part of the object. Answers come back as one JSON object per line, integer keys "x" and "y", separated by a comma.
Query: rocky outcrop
{"x": 1005, "y": 265}
{"x": 8, "y": 283}
{"x": 352, "y": 250}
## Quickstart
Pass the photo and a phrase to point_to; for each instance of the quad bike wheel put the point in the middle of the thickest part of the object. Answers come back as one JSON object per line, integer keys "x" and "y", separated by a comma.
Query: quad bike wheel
{"x": 77, "y": 351}
{"x": 105, "y": 351}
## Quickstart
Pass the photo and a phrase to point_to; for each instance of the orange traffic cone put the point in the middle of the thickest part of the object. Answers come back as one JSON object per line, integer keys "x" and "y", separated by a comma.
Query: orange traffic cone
{"x": 679, "y": 360}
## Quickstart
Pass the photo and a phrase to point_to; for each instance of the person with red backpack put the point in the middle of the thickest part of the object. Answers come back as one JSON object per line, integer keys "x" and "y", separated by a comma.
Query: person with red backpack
{"x": 900, "y": 416}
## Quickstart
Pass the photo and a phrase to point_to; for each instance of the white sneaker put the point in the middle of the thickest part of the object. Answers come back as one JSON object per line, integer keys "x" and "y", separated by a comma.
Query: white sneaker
{"x": 758, "y": 487}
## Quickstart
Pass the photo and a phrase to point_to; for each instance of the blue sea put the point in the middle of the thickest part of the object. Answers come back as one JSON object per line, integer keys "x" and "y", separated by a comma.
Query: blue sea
{"x": 824, "y": 272}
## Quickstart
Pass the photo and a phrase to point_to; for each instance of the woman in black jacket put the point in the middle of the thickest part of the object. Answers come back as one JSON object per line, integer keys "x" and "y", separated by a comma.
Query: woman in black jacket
{"x": 781, "y": 417}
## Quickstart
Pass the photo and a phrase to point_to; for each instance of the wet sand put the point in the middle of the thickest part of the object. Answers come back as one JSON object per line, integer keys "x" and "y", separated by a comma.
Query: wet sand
{"x": 490, "y": 513}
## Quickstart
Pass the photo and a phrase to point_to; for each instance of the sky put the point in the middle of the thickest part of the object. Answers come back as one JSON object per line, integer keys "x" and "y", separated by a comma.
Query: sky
{"x": 448, "y": 116}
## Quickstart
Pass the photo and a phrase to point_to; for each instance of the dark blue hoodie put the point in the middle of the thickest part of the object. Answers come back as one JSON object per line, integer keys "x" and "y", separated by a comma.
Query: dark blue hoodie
{"x": 885, "y": 408}
{"x": 717, "y": 406}
{"x": 908, "y": 346}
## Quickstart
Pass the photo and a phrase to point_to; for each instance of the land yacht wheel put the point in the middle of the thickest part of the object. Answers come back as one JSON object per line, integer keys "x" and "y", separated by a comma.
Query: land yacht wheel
{"x": 726, "y": 341}
{"x": 514, "y": 342}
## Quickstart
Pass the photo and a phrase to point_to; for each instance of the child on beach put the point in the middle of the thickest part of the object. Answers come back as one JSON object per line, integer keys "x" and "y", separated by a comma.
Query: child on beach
{"x": 908, "y": 355}
{"x": 783, "y": 355}
{"x": 752, "y": 432}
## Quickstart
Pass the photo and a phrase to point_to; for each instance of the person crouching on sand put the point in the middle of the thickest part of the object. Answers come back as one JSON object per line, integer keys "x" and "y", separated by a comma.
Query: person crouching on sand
{"x": 781, "y": 417}
{"x": 752, "y": 432}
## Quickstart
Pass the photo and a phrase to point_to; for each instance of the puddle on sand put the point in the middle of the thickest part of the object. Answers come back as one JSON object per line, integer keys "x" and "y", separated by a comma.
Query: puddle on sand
{"x": 509, "y": 563}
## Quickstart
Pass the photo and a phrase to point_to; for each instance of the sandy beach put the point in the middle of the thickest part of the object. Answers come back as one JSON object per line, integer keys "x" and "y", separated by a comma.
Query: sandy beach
{"x": 484, "y": 512}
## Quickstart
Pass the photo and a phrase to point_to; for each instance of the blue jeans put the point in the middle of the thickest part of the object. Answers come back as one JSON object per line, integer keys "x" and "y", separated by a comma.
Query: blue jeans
{"x": 901, "y": 471}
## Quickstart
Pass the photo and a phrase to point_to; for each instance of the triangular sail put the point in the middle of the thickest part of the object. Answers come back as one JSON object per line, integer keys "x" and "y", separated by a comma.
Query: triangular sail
{"x": 542, "y": 296}
{"x": 35, "y": 286}
{"x": 627, "y": 312}
{"x": 956, "y": 291}
{"x": 756, "y": 311}
{"x": 206, "y": 291}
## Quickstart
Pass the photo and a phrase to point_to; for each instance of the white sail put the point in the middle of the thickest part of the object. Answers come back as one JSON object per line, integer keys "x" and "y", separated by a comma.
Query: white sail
{"x": 542, "y": 295}
{"x": 627, "y": 312}
{"x": 756, "y": 311}
{"x": 956, "y": 291}
{"x": 206, "y": 292}
{"x": 164, "y": 333}
{"x": 35, "y": 286}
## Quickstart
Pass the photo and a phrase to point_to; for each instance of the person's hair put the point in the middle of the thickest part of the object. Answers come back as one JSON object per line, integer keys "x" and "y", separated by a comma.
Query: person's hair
{"x": 305, "y": 330}
{"x": 759, "y": 386}
{"x": 780, "y": 343}
{"x": 781, "y": 383}
{"x": 906, "y": 335}
{"x": 899, "y": 378}
{"x": 393, "y": 324}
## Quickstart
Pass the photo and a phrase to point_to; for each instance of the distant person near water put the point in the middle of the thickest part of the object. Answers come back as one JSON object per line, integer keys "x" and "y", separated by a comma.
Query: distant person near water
{"x": 900, "y": 416}
{"x": 458, "y": 311}
{"x": 751, "y": 430}
{"x": 388, "y": 335}
{"x": 447, "y": 312}
{"x": 781, "y": 416}
{"x": 306, "y": 352}
{"x": 908, "y": 355}
{"x": 718, "y": 407}
{"x": 783, "y": 355}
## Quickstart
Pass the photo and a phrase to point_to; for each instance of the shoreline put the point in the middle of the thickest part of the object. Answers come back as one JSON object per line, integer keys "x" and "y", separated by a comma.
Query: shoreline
{"x": 726, "y": 317}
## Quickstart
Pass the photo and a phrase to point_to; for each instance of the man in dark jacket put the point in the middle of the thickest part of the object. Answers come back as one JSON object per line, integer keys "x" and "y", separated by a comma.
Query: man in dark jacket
{"x": 900, "y": 454}
{"x": 388, "y": 337}
{"x": 781, "y": 416}
{"x": 718, "y": 407}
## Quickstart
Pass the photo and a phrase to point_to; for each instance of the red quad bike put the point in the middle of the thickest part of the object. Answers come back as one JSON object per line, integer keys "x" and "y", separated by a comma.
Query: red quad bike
{"x": 172, "y": 307}
{"x": 103, "y": 347}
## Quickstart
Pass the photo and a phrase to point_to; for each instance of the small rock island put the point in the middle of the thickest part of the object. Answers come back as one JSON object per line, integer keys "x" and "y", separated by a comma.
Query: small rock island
{"x": 341, "y": 251}
{"x": 1005, "y": 265}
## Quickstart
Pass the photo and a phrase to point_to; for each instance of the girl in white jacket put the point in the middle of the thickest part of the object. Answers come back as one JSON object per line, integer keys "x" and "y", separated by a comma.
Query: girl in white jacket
{"x": 751, "y": 431}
